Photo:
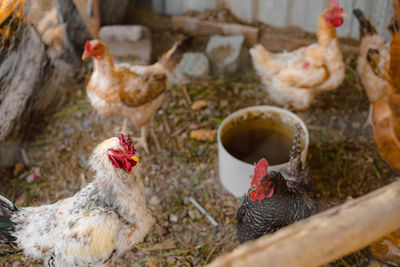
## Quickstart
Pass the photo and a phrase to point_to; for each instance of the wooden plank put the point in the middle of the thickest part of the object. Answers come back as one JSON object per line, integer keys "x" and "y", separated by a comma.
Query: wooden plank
{"x": 324, "y": 237}
{"x": 196, "y": 26}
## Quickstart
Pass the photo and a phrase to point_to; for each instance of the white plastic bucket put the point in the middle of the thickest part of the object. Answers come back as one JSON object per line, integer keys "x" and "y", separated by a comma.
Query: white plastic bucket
{"x": 235, "y": 175}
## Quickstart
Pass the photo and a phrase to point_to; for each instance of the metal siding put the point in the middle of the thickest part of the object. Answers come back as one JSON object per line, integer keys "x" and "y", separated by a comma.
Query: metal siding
{"x": 302, "y": 13}
{"x": 273, "y": 12}
{"x": 345, "y": 29}
{"x": 241, "y": 9}
{"x": 177, "y": 7}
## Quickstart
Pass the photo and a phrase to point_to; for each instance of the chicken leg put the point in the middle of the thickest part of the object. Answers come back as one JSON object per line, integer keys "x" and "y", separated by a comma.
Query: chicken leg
{"x": 142, "y": 140}
{"x": 123, "y": 128}
{"x": 368, "y": 122}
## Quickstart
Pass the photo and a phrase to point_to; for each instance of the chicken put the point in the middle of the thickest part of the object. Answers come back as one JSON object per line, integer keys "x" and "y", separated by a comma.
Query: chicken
{"x": 372, "y": 45}
{"x": 103, "y": 220}
{"x": 372, "y": 64}
{"x": 294, "y": 78}
{"x": 386, "y": 111}
{"x": 386, "y": 127}
{"x": 275, "y": 199}
{"x": 388, "y": 248}
{"x": 130, "y": 91}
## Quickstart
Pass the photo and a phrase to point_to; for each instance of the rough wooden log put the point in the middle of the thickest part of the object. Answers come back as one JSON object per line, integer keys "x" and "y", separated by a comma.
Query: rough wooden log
{"x": 32, "y": 86}
{"x": 326, "y": 236}
{"x": 75, "y": 31}
{"x": 20, "y": 74}
{"x": 195, "y": 26}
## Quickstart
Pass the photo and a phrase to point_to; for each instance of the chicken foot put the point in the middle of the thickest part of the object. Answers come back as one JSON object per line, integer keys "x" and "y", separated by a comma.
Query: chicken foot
{"x": 123, "y": 128}
{"x": 368, "y": 122}
{"x": 142, "y": 140}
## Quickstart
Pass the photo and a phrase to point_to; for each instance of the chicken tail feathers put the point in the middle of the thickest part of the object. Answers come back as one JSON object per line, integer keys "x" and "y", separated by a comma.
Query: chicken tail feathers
{"x": 172, "y": 58}
{"x": 366, "y": 27}
{"x": 295, "y": 164}
{"x": 7, "y": 227}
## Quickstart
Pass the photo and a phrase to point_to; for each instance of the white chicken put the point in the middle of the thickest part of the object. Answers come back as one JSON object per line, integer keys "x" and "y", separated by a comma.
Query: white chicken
{"x": 103, "y": 220}
{"x": 294, "y": 78}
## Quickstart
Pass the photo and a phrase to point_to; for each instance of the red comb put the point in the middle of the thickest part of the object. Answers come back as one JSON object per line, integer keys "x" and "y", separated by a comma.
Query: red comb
{"x": 87, "y": 46}
{"x": 127, "y": 143}
{"x": 260, "y": 170}
{"x": 334, "y": 3}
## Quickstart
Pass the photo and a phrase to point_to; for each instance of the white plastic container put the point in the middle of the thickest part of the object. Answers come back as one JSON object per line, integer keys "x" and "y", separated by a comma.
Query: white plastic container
{"x": 235, "y": 175}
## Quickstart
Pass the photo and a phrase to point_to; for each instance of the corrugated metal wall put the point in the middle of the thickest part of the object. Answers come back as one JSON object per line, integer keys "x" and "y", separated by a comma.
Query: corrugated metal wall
{"x": 302, "y": 13}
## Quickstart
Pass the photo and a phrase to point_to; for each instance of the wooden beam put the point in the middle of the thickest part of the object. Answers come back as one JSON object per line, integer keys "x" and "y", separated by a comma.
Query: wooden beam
{"x": 324, "y": 237}
{"x": 195, "y": 26}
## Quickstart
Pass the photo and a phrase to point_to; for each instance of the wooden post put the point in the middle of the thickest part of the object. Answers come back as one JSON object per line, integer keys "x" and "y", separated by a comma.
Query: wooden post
{"x": 324, "y": 237}
{"x": 92, "y": 22}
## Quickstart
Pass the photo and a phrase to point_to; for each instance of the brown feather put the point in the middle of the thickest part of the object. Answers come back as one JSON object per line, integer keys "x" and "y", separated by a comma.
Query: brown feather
{"x": 154, "y": 84}
{"x": 373, "y": 59}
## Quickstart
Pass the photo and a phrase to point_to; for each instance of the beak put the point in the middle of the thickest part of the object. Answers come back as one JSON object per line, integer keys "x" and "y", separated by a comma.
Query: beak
{"x": 344, "y": 15}
{"x": 135, "y": 158}
{"x": 85, "y": 55}
{"x": 251, "y": 189}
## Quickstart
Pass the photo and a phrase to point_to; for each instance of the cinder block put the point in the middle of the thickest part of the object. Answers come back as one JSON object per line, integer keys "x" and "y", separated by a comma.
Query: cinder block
{"x": 224, "y": 51}
{"x": 193, "y": 66}
{"x": 128, "y": 43}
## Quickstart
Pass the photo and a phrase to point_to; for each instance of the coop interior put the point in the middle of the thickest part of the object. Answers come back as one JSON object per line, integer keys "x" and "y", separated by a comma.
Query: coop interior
{"x": 167, "y": 74}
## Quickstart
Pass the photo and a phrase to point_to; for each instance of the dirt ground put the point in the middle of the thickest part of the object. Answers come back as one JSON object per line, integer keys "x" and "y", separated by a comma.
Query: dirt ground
{"x": 343, "y": 161}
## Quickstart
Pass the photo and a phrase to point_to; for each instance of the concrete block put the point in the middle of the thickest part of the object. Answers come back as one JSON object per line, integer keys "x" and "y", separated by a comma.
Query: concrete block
{"x": 128, "y": 43}
{"x": 224, "y": 51}
{"x": 193, "y": 66}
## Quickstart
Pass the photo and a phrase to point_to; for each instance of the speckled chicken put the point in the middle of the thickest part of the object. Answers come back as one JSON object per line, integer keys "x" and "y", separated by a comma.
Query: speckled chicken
{"x": 103, "y": 220}
{"x": 275, "y": 199}
{"x": 294, "y": 78}
{"x": 133, "y": 92}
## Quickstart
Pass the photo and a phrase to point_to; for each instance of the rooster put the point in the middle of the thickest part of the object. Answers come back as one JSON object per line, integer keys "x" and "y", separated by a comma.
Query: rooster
{"x": 130, "y": 91}
{"x": 103, "y": 220}
{"x": 294, "y": 78}
{"x": 275, "y": 199}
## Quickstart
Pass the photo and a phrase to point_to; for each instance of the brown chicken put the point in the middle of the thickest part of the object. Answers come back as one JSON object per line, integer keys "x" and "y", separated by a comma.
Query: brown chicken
{"x": 294, "y": 78}
{"x": 386, "y": 125}
{"x": 132, "y": 92}
{"x": 386, "y": 111}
